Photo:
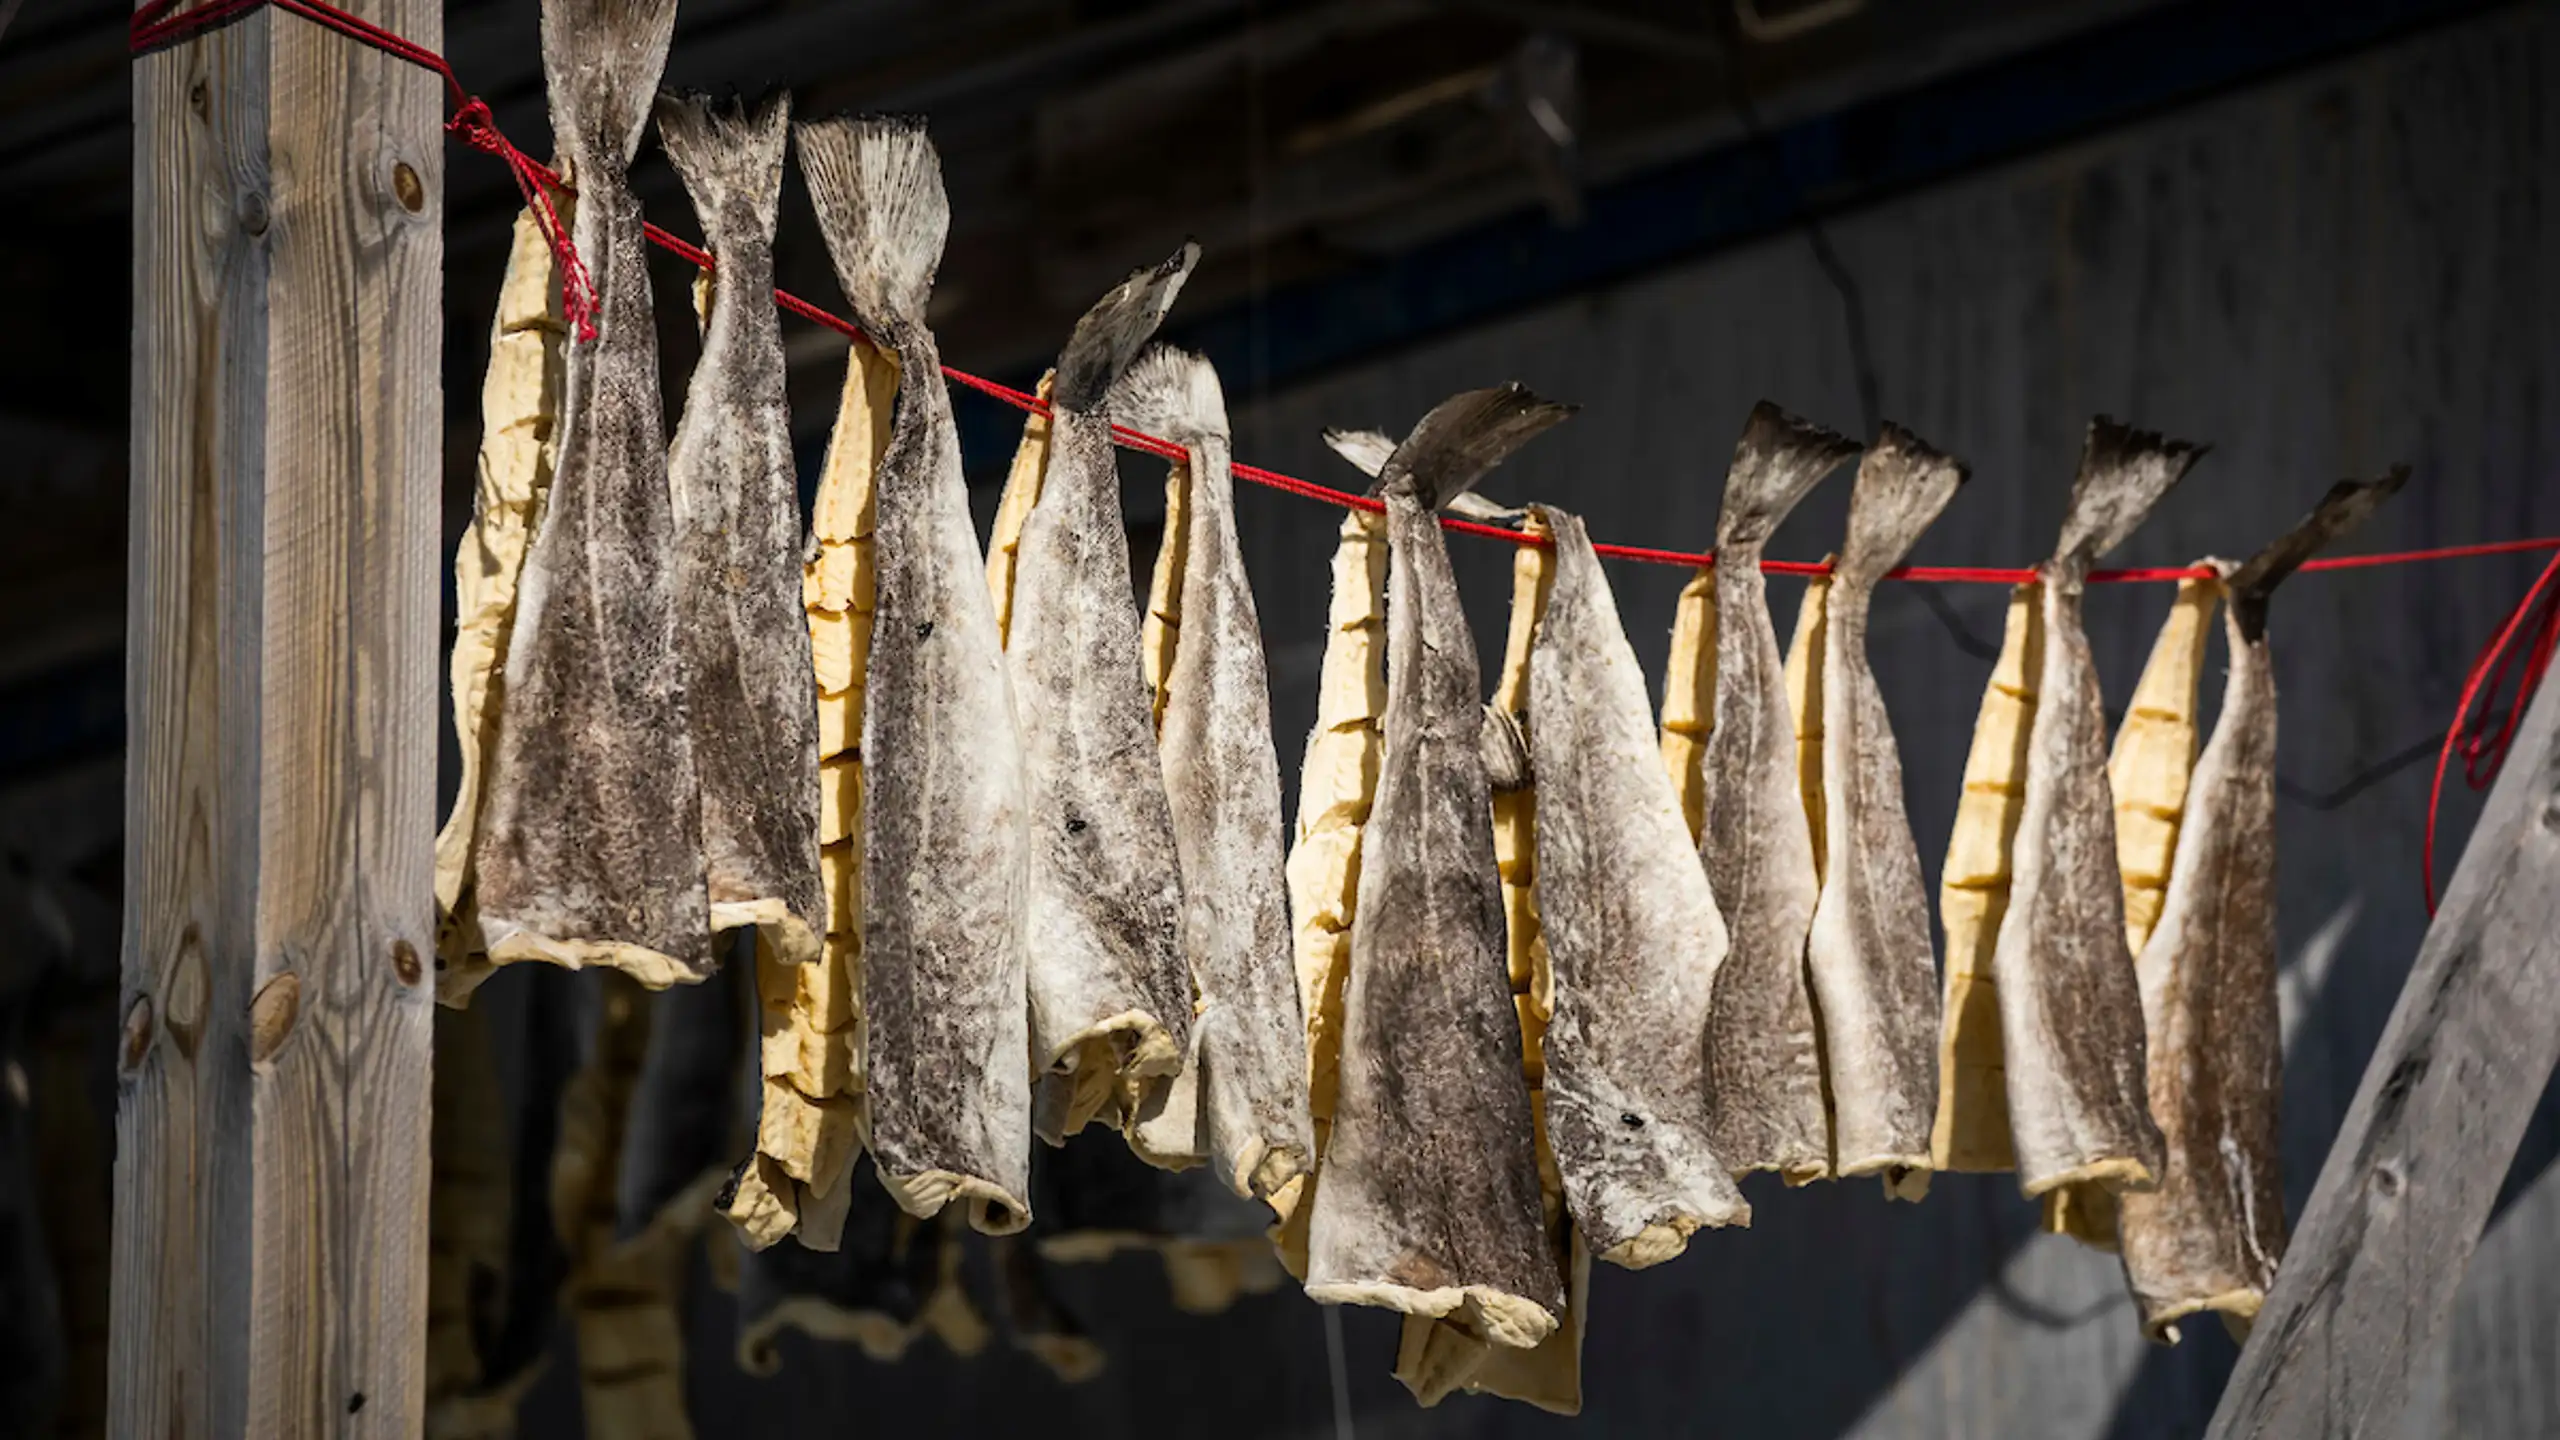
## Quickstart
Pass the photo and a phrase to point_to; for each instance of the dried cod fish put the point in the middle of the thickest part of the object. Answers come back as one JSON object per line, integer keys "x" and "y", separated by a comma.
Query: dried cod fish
{"x": 743, "y": 636}
{"x": 1764, "y": 1073}
{"x": 1021, "y": 492}
{"x": 945, "y": 839}
{"x": 1429, "y": 1200}
{"x": 1875, "y": 975}
{"x": 2070, "y": 1014}
{"x": 1110, "y": 993}
{"x": 1222, "y": 775}
{"x": 2155, "y": 752}
{"x": 1689, "y": 696}
{"x": 1802, "y": 678}
{"x": 519, "y": 401}
{"x": 590, "y": 845}
{"x": 2209, "y": 1238}
{"x": 869, "y": 1291}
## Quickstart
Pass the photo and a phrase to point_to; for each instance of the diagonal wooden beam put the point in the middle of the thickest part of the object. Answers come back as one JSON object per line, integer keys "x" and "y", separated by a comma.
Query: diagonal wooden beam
{"x": 2361, "y": 1300}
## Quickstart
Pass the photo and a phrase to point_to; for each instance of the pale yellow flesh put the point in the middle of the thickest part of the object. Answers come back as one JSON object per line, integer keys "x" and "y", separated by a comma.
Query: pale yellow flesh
{"x": 1972, "y": 1130}
{"x": 1335, "y": 788}
{"x": 518, "y": 400}
{"x": 1013, "y": 509}
{"x": 2148, "y": 771}
{"x": 1803, "y": 679}
{"x": 1164, "y": 592}
{"x": 1689, "y": 695}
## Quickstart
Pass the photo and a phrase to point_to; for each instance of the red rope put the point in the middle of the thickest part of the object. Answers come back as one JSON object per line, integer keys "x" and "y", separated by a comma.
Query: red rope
{"x": 2484, "y": 751}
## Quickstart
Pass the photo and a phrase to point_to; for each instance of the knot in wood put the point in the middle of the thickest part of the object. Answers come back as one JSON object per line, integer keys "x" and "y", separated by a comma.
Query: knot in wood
{"x": 272, "y": 1012}
{"x": 2387, "y": 1179}
{"x": 253, "y": 212}
{"x": 404, "y": 962}
{"x": 407, "y": 188}
{"x": 137, "y": 1034}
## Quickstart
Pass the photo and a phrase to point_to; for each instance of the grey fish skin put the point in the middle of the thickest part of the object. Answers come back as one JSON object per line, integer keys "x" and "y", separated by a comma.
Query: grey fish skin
{"x": 1633, "y": 935}
{"x": 744, "y": 637}
{"x": 1873, "y": 966}
{"x": 1108, "y": 981}
{"x": 2210, "y": 1237}
{"x": 591, "y": 850}
{"x": 1430, "y": 1198}
{"x": 1764, "y": 1067}
{"x": 945, "y": 837}
{"x": 2070, "y": 1013}
{"x": 1222, "y": 773}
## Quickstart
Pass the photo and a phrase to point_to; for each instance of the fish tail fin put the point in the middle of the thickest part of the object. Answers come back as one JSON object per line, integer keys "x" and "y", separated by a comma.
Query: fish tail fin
{"x": 1776, "y": 463}
{"x": 1171, "y": 393}
{"x": 602, "y": 60}
{"x": 2124, "y": 472}
{"x": 1903, "y": 483}
{"x": 2341, "y": 510}
{"x": 1117, "y": 327}
{"x": 1367, "y": 450}
{"x": 876, "y": 182}
{"x": 1462, "y": 438}
{"x": 729, "y": 156}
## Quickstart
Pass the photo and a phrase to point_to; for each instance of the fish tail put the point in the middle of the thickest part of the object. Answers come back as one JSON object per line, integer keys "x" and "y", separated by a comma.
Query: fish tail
{"x": 1776, "y": 463}
{"x": 1367, "y": 450}
{"x": 1117, "y": 327}
{"x": 2124, "y": 472}
{"x": 2341, "y": 510}
{"x": 876, "y": 183}
{"x": 730, "y": 158}
{"x": 1463, "y": 437}
{"x": 1172, "y": 393}
{"x": 1903, "y": 483}
{"x": 602, "y": 59}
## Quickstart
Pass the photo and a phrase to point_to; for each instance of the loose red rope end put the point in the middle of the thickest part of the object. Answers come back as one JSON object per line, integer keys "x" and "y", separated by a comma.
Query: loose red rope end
{"x": 2536, "y": 620}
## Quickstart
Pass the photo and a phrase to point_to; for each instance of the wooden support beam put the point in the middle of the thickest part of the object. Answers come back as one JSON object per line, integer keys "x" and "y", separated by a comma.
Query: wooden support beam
{"x": 271, "y": 1129}
{"x": 2361, "y": 1300}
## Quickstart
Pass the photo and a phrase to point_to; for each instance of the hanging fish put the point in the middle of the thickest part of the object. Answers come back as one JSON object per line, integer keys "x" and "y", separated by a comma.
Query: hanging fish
{"x": 1223, "y": 776}
{"x": 2209, "y": 1238}
{"x": 869, "y": 1290}
{"x": 1875, "y": 975}
{"x": 1039, "y": 1324}
{"x": 590, "y": 847}
{"x": 2070, "y": 1014}
{"x": 1764, "y": 1071}
{"x": 1110, "y": 991}
{"x": 743, "y": 637}
{"x": 1429, "y": 1200}
{"x": 1689, "y": 696}
{"x": 945, "y": 841}
{"x": 1802, "y": 679}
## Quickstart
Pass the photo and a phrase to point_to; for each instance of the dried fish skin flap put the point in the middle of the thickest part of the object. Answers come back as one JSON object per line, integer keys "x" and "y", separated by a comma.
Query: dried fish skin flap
{"x": 1689, "y": 696}
{"x": 590, "y": 847}
{"x": 1222, "y": 776}
{"x": 1873, "y": 964}
{"x": 945, "y": 843}
{"x": 519, "y": 404}
{"x": 2070, "y": 1014}
{"x": 1013, "y": 507}
{"x": 1764, "y": 1071}
{"x": 1428, "y": 1201}
{"x": 1110, "y": 990}
{"x": 1632, "y": 932}
{"x": 2210, "y": 1236}
{"x": 743, "y": 634}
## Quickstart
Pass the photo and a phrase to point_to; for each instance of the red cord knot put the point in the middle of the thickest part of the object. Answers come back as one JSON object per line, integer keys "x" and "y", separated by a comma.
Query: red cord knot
{"x": 473, "y": 125}
{"x": 2482, "y": 733}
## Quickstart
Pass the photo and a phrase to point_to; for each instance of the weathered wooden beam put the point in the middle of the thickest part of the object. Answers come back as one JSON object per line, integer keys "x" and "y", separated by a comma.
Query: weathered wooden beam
{"x": 2361, "y": 1300}
{"x": 271, "y": 1160}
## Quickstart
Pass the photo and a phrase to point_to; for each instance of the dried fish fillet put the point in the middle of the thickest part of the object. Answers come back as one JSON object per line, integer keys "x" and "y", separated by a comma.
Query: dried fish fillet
{"x": 2070, "y": 1014}
{"x": 1875, "y": 974}
{"x": 945, "y": 843}
{"x": 1764, "y": 1073}
{"x": 742, "y": 634}
{"x": 1223, "y": 778}
{"x": 1110, "y": 993}
{"x": 519, "y": 401}
{"x": 1971, "y": 1132}
{"x": 1013, "y": 507}
{"x": 869, "y": 1291}
{"x": 1428, "y": 1203}
{"x": 1689, "y": 696}
{"x": 2155, "y": 751}
{"x": 1804, "y": 676}
{"x": 2209, "y": 1238}
{"x": 590, "y": 845}
{"x": 1038, "y": 1322}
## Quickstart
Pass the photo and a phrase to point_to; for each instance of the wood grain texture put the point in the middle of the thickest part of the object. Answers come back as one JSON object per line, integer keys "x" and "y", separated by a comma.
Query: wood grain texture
{"x": 287, "y": 426}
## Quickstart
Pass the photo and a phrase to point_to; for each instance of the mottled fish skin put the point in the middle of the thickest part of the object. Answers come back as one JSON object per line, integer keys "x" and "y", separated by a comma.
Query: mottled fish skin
{"x": 744, "y": 635}
{"x": 1223, "y": 774}
{"x": 1764, "y": 1068}
{"x": 1109, "y": 987}
{"x": 591, "y": 851}
{"x": 1874, "y": 971}
{"x": 1430, "y": 1198}
{"x": 1633, "y": 935}
{"x": 2070, "y": 1013}
{"x": 2210, "y": 1236}
{"x": 944, "y": 830}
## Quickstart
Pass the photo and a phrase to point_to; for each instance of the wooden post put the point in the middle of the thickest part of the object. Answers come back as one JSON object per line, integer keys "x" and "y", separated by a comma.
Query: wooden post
{"x": 2361, "y": 1299}
{"x": 271, "y": 1160}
